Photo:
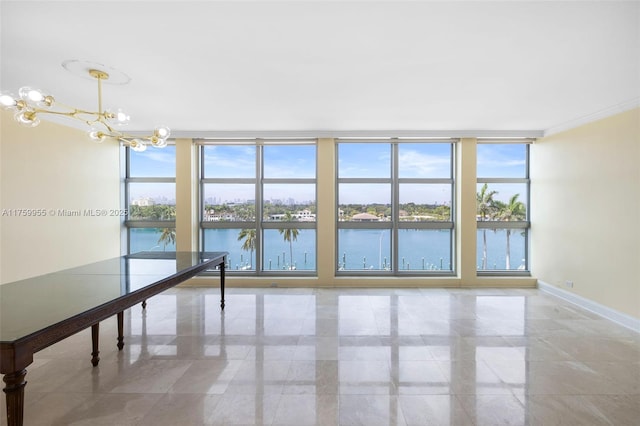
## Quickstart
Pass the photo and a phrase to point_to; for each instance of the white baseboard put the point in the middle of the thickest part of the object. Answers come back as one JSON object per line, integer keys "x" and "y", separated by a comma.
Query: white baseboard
{"x": 604, "y": 311}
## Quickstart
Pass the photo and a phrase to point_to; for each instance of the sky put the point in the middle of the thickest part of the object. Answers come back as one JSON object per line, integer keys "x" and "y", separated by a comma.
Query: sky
{"x": 355, "y": 160}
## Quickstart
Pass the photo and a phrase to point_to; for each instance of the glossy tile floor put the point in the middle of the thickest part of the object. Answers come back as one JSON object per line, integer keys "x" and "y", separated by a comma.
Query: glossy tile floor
{"x": 348, "y": 357}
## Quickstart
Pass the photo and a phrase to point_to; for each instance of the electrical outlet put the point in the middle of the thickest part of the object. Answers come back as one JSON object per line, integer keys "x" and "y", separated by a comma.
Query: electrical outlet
{"x": 568, "y": 284}
{"x": 274, "y": 284}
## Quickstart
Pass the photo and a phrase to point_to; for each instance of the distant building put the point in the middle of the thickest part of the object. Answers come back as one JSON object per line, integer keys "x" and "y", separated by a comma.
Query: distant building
{"x": 302, "y": 216}
{"x": 365, "y": 217}
{"x": 143, "y": 202}
{"x": 210, "y": 215}
{"x": 305, "y": 216}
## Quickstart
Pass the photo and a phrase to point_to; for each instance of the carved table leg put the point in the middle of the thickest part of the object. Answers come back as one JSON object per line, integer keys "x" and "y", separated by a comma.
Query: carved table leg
{"x": 120, "y": 330}
{"x": 95, "y": 336}
{"x": 222, "y": 284}
{"x": 14, "y": 389}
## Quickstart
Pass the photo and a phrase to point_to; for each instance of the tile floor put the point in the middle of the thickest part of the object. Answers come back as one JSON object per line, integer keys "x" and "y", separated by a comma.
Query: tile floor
{"x": 347, "y": 357}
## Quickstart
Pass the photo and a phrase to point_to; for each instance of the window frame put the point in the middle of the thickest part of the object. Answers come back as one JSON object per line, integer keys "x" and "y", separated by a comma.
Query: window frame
{"x": 394, "y": 225}
{"x": 495, "y": 224}
{"x": 259, "y": 224}
{"x": 130, "y": 224}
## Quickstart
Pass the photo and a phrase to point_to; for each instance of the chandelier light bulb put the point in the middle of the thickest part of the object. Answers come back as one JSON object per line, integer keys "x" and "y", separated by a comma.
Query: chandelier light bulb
{"x": 35, "y": 96}
{"x": 157, "y": 142}
{"x": 162, "y": 132}
{"x": 31, "y": 95}
{"x": 7, "y": 101}
{"x": 137, "y": 145}
{"x": 119, "y": 117}
{"x": 97, "y": 136}
{"x": 47, "y": 101}
{"x": 27, "y": 118}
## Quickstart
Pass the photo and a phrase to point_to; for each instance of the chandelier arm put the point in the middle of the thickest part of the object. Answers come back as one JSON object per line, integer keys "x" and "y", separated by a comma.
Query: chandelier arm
{"x": 34, "y": 102}
{"x": 75, "y": 114}
{"x": 108, "y": 127}
{"x": 87, "y": 122}
{"x": 46, "y": 111}
{"x": 70, "y": 114}
{"x": 99, "y": 94}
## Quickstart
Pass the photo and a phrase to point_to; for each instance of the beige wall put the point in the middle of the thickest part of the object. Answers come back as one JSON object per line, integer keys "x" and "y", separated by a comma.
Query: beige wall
{"x": 585, "y": 197}
{"x": 54, "y": 167}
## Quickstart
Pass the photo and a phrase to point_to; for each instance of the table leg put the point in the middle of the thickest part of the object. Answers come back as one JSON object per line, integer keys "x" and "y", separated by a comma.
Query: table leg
{"x": 14, "y": 389}
{"x": 95, "y": 336}
{"x": 120, "y": 330}
{"x": 222, "y": 284}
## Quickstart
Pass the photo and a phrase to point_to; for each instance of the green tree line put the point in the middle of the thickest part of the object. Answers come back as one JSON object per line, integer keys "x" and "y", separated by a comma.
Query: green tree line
{"x": 154, "y": 212}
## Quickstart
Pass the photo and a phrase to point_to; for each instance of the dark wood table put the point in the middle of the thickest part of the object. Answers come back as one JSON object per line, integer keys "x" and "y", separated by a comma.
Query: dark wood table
{"x": 38, "y": 312}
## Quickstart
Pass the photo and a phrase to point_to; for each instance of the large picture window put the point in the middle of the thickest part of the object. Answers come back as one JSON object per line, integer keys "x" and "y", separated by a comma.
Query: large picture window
{"x": 395, "y": 200}
{"x": 502, "y": 203}
{"x": 258, "y": 202}
{"x": 150, "y": 187}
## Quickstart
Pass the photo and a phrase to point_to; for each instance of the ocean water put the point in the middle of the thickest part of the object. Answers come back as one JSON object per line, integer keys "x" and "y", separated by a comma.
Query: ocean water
{"x": 358, "y": 249}
{"x": 146, "y": 239}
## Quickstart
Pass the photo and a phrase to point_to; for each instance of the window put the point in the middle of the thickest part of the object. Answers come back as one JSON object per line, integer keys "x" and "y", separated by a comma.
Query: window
{"x": 150, "y": 185}
{"x": 502, "y": 207}
{"x": 259, "y": 204}
{"x": 395, "y": 200}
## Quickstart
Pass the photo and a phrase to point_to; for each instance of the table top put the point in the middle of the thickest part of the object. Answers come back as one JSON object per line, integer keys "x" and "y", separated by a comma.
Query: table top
{"x": 33, "y": 304}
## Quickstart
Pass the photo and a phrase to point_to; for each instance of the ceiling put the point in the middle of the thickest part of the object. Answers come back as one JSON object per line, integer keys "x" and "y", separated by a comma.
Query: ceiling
{"x": 211, "y": 67}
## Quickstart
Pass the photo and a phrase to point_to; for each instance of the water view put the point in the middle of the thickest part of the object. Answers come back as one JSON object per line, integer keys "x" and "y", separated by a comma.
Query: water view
{"x": 272, "y": 183}
{"x": 358, "y": 249}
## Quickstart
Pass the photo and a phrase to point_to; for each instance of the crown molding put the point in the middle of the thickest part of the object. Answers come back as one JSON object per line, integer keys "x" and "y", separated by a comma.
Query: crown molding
{"x": 195, "y": 134}
{"x": 589, "y": 118}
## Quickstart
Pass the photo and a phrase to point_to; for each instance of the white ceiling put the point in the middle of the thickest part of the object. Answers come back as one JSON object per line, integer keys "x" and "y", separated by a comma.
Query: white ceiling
{"x": 239, "y": 66}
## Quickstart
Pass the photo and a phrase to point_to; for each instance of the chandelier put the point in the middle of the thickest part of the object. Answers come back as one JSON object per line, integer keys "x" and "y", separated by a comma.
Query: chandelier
{"x": 32, "y": 103}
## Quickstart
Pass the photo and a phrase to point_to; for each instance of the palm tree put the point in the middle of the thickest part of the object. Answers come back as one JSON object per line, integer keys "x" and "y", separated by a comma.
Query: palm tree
{"x": 168, "y": 212}
{"x": 249, "y": 236}
{"x": 485, "y": 206}
{"x": 168, "y": 236}
{"x": 512, "y": 211}
{"x": 290, "y": 235}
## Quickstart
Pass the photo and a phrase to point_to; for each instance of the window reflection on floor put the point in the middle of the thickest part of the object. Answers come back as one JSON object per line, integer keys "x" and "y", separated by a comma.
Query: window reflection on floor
{"x": 330, "y": 356}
